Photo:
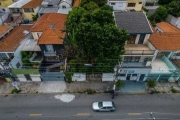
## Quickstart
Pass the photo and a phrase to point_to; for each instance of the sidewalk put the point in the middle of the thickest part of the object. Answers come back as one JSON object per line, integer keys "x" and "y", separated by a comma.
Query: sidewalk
{"x": 81, "y": 87}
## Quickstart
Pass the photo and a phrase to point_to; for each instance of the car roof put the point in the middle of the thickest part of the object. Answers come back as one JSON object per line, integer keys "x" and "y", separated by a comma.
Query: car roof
{"x": 107, "y": 103}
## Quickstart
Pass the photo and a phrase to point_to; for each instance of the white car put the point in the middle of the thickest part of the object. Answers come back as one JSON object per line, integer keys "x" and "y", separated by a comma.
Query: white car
{"x": 103, "y": 106}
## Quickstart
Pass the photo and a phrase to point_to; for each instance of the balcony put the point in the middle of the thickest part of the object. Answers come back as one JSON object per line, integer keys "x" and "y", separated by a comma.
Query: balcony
{"x": 135, "y": 65}
{"x": 136, "y": 49}
{"x": 49, "y": 53}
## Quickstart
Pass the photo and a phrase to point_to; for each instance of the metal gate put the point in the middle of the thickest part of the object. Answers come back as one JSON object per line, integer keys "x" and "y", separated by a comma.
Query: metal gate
{"x": 52, "y": 76}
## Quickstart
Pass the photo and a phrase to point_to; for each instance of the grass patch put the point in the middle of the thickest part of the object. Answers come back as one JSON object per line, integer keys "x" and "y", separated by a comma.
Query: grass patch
{"x": 25, "y": 71}
{"x": 15, "y": 91}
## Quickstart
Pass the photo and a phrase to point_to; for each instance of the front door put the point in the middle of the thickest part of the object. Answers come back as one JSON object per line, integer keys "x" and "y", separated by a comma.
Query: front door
{"x": 128, "y": 77}
{"x": 141, "y": 39}
{"x": 142, "y": 77}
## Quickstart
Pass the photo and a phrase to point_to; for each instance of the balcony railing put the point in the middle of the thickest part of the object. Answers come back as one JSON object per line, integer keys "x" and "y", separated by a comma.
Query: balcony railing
{"x": 140, "y": 52}
{"x": 49, "y": 53}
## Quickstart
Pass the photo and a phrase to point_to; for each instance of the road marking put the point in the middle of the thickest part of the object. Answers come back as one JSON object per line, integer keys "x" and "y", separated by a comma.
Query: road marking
{"x": 32, "y": 115}
{"x": 83, "y": 114}
{"x": 134, "y": 113}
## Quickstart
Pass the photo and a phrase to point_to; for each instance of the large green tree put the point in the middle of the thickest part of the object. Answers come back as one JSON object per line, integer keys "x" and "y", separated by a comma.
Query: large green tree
{"x": 174, "y": 8}
{"x": 160, "y": 15}
{"x": 94, "y": 38}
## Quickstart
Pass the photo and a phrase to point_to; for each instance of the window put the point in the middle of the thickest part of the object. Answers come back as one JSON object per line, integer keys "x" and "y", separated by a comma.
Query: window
{"x": 131, "y": 59}
{"x": 134, "y": 75}
{"x": 49, "y": 48}
{"x": 140, "y": 2}
{"x": 122, "y": 75}
{"x": 113, "y": 3}
{"x": 132, "y": 39}
{"x": 64, "y": 7}
{"x": 28, "y": 10}
{"x": 177, "y": 54}
{"x": 50, "y": 5}
{"x": 131, "y": 4}
{"x": 3, "y": 55}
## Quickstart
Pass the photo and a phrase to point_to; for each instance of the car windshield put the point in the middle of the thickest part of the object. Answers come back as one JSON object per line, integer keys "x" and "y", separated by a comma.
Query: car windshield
{"x": 100, "y": 104}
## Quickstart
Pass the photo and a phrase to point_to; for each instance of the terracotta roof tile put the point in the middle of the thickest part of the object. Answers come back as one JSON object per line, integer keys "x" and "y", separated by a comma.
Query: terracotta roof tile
{"x": 77, "y": 3}
{"x": 166, "y": 27}
{"x": 51, "y": 36}
{"x": 165, "y": 41}
{"x": 47, "y": 19}
{"x": 4, "y": 28}
{"x": 32, "y": 4}
{"x": 14, "y": 38}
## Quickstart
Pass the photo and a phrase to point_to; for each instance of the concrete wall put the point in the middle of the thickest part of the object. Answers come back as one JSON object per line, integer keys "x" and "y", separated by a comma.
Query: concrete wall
{"x": 108, "y": 77}
{"x": 65, "y": 4}
{"x": 137, "y": 7}
{"x": 28, "y": 15}
{"x": 119, "y": 5}
{"x": 132, "y": 71}
{"x": 173, "y": 20}
{"x": 21, "y": 78}
{"x": 35, "y": 78}
{"x": 5, "y": 3}
{"x": 36, "y": 35}
{"x": 17, "y": 54}
{"x": 79, "y": 77}
{"x": 150, "y": 46}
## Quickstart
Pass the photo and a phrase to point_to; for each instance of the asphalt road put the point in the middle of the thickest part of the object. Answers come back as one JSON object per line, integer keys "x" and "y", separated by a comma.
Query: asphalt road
{"x": 128, "y": 107}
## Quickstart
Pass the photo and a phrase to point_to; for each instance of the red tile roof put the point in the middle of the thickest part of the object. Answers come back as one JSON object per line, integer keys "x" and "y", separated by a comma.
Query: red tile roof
{"x": 4, "y": 28}
{"x": 165, "y": 41}
{"x": 51, "y": 36}
{"x": 166, "y": 27}
{"x": 14, "y": 38}
{"x": 47, "y": 19}
{"x": 32, "y": 4}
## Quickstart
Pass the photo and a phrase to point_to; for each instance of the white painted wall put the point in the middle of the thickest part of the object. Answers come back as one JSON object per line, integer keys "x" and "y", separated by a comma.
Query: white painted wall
{"x": 17, "y": 54}
{"x": 36, "y": 78}
{"x": 119, "y": 5}
{"x": 21, "y": 78}
{"x": 150, "y": 46}
{"x": 79, "y": 77}
{"x": 137, "y": 71}
{"x": 65, "y": 4}
{"x": 36, "y": 35}
{"x": 108, "y": 77}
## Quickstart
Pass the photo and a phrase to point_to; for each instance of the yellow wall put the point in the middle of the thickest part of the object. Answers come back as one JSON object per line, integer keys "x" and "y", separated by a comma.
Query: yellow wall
{"x": 5, "y": 3}
{"x": 28, "y": 15}
{"x": 137, "y": 7}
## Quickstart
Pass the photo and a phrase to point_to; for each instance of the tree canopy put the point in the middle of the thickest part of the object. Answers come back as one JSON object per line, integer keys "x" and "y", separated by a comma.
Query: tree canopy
{"x": 94, "y": 37}
{"x": 160, "y": 15}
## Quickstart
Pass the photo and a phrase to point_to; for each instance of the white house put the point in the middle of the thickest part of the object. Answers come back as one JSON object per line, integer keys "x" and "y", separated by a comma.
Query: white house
{"x": 117, "y": 4}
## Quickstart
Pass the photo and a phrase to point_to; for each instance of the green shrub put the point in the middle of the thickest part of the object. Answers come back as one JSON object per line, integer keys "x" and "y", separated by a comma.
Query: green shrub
{"x": 174, "y": 90}
{"x": 108, "y": 91}
{"x": 15, "y": 91}
{"x": 151, "y": 83}
{"x": 119, "y": 84}
{"x": 69, "y": 76}
{"x": 90, "y": 91}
